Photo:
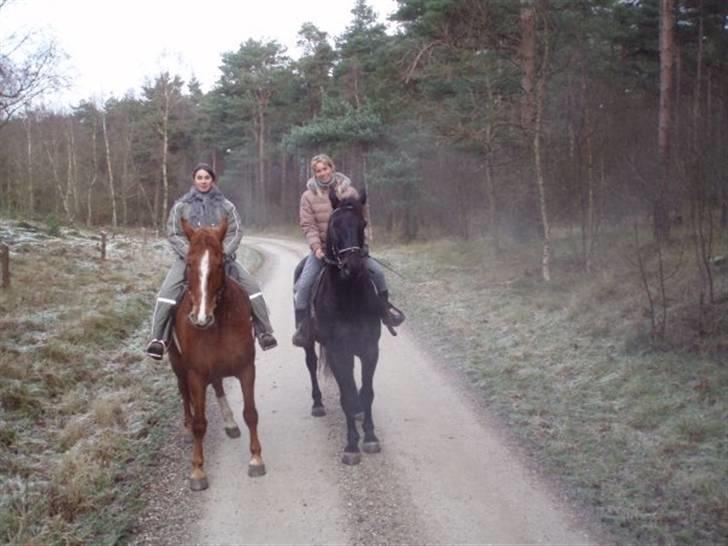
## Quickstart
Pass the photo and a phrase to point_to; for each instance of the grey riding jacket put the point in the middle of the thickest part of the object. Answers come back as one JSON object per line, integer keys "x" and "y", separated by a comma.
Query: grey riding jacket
{"x": 204, "y": 209}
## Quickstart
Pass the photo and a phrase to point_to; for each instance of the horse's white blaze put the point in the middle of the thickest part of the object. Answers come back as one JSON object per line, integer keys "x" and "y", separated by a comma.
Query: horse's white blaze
{"x": 227, "y": 413}
{"x": 204, "y": 273}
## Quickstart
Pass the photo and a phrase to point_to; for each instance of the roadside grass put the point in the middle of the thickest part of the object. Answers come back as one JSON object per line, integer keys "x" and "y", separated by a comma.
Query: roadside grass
{"x": 634, "y": 428}
{"x": 77, "y": 400}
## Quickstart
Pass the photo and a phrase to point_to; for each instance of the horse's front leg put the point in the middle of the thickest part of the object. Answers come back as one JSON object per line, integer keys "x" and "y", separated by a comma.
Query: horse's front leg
{"x": 186, "y": 409}
{"x": 318, "y": 409}
{"x": 231, "y": 427}
{"x": 366, "y": 398}
{"x": 197, "y": 389}
{"x": 250, "y": 415}
{"x": 342, "y": 365}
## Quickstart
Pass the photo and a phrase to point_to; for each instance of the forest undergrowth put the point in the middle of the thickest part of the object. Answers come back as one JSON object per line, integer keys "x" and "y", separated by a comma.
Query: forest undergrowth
{"x": 632, "y": 424}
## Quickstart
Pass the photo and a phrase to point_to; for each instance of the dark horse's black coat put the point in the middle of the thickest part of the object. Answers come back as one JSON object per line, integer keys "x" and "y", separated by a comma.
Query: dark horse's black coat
{"x": 346, "y": 322}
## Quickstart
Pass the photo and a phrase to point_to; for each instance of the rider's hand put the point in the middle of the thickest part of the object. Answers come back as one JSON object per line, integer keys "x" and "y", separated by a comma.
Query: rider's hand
{"x": 319, "y": 253}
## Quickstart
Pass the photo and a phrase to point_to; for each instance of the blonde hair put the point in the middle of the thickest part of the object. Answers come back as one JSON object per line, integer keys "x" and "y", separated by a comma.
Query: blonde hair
{"x": 322, "y": 158}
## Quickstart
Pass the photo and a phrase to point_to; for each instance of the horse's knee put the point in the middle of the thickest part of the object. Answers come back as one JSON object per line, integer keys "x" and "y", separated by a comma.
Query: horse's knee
{"x": 250, "y": 416}
{"x": 199, "y": 426}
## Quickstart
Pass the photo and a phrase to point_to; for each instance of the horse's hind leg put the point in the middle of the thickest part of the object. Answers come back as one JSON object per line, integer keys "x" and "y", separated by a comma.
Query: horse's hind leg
{"x": 311, "y": 363}
{"x": 342, "y": 366}
{"x": 231, "y": 427}
{"x": 366, "y": 398}
{"x": 250, "y": 414}
{"x": 197, "y": 388}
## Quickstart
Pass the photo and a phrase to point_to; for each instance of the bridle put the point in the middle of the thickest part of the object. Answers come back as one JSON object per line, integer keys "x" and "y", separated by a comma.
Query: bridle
{"x": 340, "y": 254}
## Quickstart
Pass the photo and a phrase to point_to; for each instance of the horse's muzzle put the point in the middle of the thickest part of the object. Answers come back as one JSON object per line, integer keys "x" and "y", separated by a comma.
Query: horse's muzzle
{"x": 206, "y": 322}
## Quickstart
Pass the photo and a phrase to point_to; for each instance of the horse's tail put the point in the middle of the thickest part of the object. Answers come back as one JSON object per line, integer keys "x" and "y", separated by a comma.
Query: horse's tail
{"x": 323, "y": 362}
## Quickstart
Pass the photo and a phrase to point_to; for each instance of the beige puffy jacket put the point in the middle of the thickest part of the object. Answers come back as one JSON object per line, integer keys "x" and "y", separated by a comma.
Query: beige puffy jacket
{"x": 315, "y": 209}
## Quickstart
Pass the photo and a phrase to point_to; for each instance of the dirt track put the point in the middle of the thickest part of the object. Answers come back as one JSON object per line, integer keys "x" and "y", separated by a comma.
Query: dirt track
{"x": 446, "y": 473}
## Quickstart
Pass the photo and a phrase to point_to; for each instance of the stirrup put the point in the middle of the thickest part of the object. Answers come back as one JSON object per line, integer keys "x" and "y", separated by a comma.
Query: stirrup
{"x": 393, "y": 316}
{"x": 267, "y": 341}
{"x": 301, "y": 337}
{"x": 156, "y": 349}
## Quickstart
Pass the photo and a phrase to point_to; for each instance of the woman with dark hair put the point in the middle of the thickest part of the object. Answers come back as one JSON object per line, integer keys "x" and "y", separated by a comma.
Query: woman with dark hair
{"x": 204, "y": 205}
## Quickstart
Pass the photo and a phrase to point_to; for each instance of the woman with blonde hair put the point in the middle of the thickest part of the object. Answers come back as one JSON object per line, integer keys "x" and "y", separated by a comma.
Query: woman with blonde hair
{"x": 314, "y": 212}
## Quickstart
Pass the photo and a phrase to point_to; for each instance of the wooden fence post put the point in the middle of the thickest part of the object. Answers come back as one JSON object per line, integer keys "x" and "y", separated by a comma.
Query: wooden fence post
{"x": 5, "y": 264}
{"x": 103, "y": 245}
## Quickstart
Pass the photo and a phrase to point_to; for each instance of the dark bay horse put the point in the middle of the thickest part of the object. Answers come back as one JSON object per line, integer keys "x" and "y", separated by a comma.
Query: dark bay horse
{"x": 213, "y": 339}
{"x": 346, "y": 323}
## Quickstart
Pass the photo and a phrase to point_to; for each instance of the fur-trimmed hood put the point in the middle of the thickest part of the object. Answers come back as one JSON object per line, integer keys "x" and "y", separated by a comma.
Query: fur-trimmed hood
{"x": 340, "y": 181}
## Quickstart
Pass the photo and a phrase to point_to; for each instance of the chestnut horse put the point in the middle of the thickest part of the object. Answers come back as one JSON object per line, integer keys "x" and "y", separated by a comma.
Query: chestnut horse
{"x": 213, "y": 339}
{"x": 346, "y": 323}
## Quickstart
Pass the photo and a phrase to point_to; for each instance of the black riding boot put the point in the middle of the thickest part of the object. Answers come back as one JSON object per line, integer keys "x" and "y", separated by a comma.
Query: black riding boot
{"x": 391, "y": 316}
{"x": 266, "y": 340}
{"x": 301, "y": 337}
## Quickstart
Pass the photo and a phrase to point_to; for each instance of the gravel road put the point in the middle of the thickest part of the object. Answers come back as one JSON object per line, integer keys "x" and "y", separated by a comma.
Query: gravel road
{"x": 447, "y": 473}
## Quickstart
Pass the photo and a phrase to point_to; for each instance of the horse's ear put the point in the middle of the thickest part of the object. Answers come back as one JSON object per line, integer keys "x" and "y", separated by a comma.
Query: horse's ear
{"x": 334, "y": 198}
{"x": 222, "y": 229}
{"x": 363, "y": 198}
{"x": 187, "y": 228}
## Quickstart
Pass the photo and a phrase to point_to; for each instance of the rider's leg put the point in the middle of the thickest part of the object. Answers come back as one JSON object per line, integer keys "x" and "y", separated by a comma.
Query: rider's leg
{"x": 301, "y": 298}
{"x": 390, "y": 316}
{"x": 162, "y": 316}
{"x": 261, "y": 321}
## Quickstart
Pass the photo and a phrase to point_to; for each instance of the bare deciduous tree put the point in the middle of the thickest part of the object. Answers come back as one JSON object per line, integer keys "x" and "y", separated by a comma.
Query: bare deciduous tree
{"x": 28, "y": 69}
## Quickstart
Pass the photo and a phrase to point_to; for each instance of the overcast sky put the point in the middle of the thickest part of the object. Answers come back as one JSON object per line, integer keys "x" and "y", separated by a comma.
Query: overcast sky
{"x": 113, "y": 46}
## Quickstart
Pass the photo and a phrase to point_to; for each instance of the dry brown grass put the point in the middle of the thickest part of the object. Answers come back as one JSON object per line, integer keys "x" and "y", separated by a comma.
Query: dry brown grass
{"x": 634, "y": 426}
{"x": 68, "y": 374}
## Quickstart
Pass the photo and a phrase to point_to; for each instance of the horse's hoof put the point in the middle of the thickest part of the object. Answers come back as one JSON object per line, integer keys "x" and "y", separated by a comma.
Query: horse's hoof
{"x": 351, "y": 458}
{"x": 371, "y": 447}
{"x": 318, "y": 411}
{"x": 198, "y": 485}
{"x": 359, "y": 416}
{"x": 232, "y": 432}
{"x": 256, "y": 470}
{"x": 187, "y": 438}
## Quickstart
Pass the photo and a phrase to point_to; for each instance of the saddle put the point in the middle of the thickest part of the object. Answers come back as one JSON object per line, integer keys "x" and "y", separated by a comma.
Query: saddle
{"x": 316, "y": 286}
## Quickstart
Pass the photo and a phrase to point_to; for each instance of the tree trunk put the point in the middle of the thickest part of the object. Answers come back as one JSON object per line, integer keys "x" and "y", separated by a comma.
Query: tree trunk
{"x": 29, "y": 149}
{"x": 370, "y": 227}
{"x": 667, "y": 57}
{"x": 63, "y": 193}
{"x": 532, "y": 108}
{"x": 262, "y": 99}
{"x": 73, "y": 170}
{"x": 589, "y": 216}
{"x": 538, "y": 155}
{"x": 527, "y": 60}
{"x": 492, "y": 205}
{"x": 698, "y": 82}
{"x": 94, "y": 177}
{"x": 165, "y": 150}
{"x": 490, "y": 138}
{"x": 110, "y": 171}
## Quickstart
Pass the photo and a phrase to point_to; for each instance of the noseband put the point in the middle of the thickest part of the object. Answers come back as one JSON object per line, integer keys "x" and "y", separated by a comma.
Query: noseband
{"x": 340, "y": 255}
